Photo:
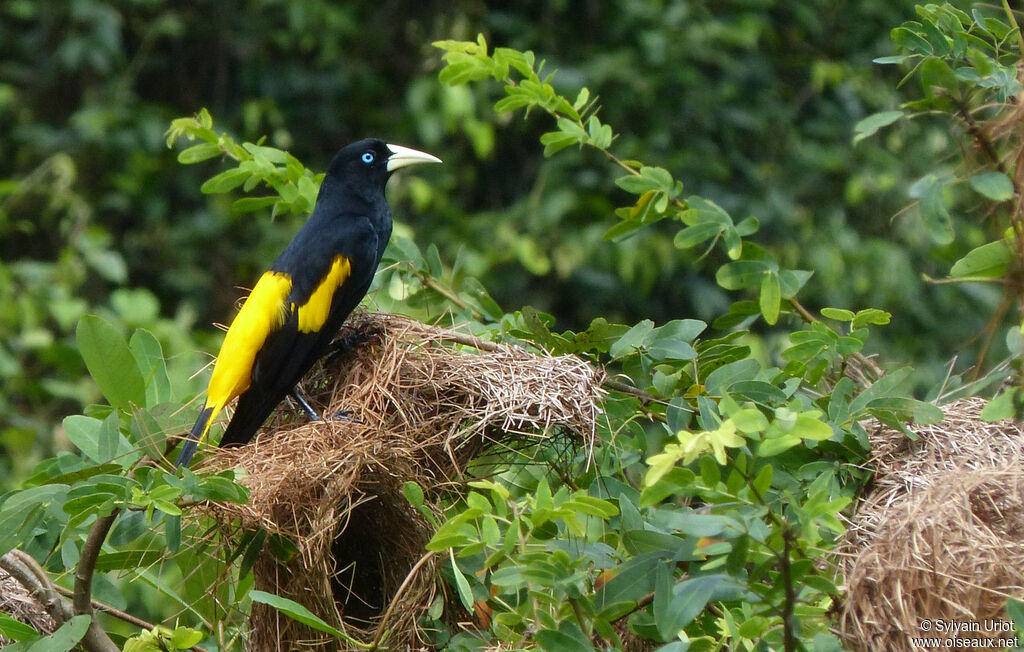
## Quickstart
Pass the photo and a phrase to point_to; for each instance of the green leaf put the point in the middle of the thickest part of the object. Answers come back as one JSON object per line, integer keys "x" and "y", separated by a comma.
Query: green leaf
{"x": 692, "y": 236}
{"x": 791, "y": 280}
{"x": 759, "y": 391}
{"x": 65, "y": 638}
{"x": 702, "y": 525}
{"x": 149, "y": 356}
{"x": 581, "y": 98}
{"x": 200, "y": 152}
{"x": 127, "y": 559}
{"x": 770, "y": 298}
{"x": 839, "y": 314}
{"x": 592, "y": 506}
{"x": 84, "y": 432}
{"x": 1015, "y": 610}
{"x": 776, "y": 445}
{"x": 870, "y": 316}
{"x": 637, "y": 184}
{"x": 295, "y": 611}
{"x": 685, "y": 601}
{"x": 994, "y": 185}
{"x": 871, "y": 124}
{"x": 551, "y": 640}
{"x": 633, "y": 580}
{"x": 676, "y": 481}
{"x": 722, "y": 379}
{"x": 185, "y": 637}
{"x": 110, "y": 363}
{"x": 749, "y": 420}
{"x": 225, "y": 181}
{"x": 555, "y": 141}
{"x": 910, "y": 40}
{"x": 741, "y": 274}
{"x": 808, "y": 427}
{"x": 413, "y": 493}
{"x": 461, "y": 583}
{"x": 17, "y": 630}
{"x": 936, "y": 219}
{"x": 990, "y": 260}
{"x": 22, "y": 510}
{"x": 892, "y": 384}
{"x": 897, "y": 58}
{"x": 635, "y": 339}
{"x": 252, "y": 204}
{"x": 763, "y": 481}
{"x": 999, "y": 408}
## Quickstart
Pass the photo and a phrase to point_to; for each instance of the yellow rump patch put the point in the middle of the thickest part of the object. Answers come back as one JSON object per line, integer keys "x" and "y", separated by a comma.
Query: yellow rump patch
{"x": 313, "y": 314}
{"x": 263, "y": 312}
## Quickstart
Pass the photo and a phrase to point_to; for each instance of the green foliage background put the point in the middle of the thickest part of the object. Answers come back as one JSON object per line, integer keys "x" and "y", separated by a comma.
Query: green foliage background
{"x": 751, "y": 104}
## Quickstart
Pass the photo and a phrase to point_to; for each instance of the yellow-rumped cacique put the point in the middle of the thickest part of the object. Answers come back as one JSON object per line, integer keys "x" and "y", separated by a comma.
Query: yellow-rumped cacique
{"x": 297, "y": 306}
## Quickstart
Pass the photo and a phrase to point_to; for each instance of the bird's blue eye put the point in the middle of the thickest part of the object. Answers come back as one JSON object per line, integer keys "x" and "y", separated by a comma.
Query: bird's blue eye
{"x": 368, "y": 157}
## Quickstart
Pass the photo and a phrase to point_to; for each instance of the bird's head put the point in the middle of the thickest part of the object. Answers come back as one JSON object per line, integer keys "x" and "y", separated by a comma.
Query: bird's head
{"x": 367, "y": 164}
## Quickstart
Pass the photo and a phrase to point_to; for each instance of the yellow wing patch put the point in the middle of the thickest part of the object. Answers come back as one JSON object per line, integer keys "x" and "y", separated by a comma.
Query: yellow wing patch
{"x": 313, "y": 314}
{"x": 264, "y": 311}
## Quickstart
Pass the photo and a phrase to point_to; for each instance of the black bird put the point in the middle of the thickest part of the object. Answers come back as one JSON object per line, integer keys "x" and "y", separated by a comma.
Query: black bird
{"x": 298, "y": 305}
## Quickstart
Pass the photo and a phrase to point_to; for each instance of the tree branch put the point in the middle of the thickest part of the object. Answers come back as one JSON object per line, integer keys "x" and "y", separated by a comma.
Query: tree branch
{"x": 95, "y": 640}
{"x": 120, "y": 615}
{"x": 27, "y": 572}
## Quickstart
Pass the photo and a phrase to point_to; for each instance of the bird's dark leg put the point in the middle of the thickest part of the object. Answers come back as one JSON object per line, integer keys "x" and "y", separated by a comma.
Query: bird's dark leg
{"x": 310, "y": 412}
{"x": 341, "y": 415}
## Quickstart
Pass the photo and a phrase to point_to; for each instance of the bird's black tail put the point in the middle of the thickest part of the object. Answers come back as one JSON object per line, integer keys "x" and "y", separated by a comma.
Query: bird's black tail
{"x": 199, "y": 430}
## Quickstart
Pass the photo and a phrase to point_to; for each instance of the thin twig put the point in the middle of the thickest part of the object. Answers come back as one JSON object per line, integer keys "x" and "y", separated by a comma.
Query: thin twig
{"x": 120, "y": 615}
{"x": 789, "y": 641}
{"x": 1013, "y": 21}
{"x": 989, "y": 332}
{"x": 394, "y": 600}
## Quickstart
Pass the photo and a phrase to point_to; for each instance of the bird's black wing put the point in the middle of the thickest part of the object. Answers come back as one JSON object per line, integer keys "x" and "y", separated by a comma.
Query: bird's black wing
{"x": 331, "y": 269}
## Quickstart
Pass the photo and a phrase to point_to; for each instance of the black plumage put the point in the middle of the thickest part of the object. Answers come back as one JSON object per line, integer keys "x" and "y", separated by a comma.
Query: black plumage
{"x": 297, "y": 307}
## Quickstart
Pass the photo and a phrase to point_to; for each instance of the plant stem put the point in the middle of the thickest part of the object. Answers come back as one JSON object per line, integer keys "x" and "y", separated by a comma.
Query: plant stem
{"x": 789, "y": 641}
{"x": 95, "y": 640}
{"x": 1013, "y": 21}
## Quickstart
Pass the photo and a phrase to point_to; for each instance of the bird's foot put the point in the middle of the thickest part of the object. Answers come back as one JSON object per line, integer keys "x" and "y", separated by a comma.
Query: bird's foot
{"x": 353, "y": 340}
{"x": 345, "y": 415}
{"x": 340, "y": 415}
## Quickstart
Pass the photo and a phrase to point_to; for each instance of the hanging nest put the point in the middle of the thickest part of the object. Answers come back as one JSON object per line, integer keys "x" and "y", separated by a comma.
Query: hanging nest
{"x": 419, "y": 403}
{"x": 940, "y": 536}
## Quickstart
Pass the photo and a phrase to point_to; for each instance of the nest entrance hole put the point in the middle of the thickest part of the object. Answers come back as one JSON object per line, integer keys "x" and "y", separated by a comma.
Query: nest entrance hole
{"x": 358, "y": 552}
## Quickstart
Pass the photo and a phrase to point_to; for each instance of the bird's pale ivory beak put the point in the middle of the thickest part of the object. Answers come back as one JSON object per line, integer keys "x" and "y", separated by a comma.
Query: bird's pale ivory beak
{"x": 403, "y": 156}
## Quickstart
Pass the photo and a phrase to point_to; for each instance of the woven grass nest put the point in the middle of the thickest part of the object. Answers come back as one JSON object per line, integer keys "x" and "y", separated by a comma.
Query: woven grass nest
{"x": 17, "y": 602}
{"x": 421, "y": 402}
{"x": 940, "y": 535}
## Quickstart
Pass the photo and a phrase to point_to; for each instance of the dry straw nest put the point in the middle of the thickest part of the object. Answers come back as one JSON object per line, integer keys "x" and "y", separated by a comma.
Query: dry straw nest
{"x": 16, "y": 602}
{"x": 422, "y": 402}
{"x": 939, "y": 536}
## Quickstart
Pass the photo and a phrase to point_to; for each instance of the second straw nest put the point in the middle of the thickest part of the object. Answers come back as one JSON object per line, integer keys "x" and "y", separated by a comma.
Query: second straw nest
{"x": 410, "y": 403}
